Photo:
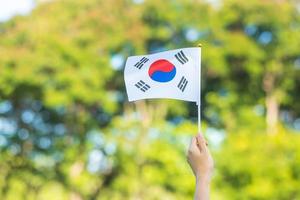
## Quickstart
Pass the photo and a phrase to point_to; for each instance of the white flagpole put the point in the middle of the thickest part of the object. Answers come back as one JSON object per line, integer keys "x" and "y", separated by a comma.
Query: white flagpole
{"x": 199, "y": 94}
{"x": 199, "y": 119}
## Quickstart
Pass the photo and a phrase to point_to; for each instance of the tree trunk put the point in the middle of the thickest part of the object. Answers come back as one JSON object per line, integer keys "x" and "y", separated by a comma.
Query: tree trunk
{"x": 272, "y": 105}
{"x": 272, "y": 114}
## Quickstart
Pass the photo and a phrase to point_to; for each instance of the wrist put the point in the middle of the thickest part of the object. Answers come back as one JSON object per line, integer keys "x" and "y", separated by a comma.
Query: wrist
{"x": 205, "y": 179}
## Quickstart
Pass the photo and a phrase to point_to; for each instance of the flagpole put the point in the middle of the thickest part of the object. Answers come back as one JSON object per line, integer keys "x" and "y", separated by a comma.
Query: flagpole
{"x": 199, "y": 94}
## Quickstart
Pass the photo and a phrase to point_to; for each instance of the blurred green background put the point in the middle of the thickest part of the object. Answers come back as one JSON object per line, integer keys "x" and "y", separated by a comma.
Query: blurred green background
{"x": 67, "y": 130}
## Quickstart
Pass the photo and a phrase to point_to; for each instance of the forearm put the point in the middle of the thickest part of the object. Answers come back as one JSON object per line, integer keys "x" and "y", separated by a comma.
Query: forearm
{"x": 202, "y": 188}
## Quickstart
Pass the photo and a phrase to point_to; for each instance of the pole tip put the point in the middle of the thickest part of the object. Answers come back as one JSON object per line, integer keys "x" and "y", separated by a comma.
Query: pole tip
{"x": 199, "y": 45}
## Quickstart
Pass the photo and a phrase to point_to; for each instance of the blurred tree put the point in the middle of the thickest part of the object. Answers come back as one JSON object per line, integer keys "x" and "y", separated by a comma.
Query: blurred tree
{"x": 243, "y": 173}
{"x": 65, "y": 126}
{"x": 260, "y": 43}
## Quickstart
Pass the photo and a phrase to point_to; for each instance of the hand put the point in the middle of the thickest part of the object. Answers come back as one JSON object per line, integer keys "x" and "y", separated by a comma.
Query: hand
{"x": 200, "y": 158}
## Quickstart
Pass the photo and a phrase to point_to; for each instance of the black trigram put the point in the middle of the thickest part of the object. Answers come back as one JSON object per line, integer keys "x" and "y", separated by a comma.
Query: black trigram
{"x": 181, "y": 57}
{"x": 142, "y": 86}
{"x": 182, "y": 84}
{"x": 140, "y": 64}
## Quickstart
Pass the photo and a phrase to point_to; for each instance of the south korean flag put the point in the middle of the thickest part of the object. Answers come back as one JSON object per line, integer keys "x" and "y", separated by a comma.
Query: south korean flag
{"x": 171, "y": 74}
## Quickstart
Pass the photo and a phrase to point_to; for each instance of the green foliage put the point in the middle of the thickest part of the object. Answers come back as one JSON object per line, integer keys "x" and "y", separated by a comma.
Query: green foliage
{"x": 68, "y": 132}
{"x": 258, "y": 166}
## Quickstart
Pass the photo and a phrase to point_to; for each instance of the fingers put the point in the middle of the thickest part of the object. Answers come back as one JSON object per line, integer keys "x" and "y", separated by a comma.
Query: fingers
{"x": 201, "y": 142}
{"x": 198, "y": 142}
{"x": 193, "y": 143}
{"x": 200, "y": 138}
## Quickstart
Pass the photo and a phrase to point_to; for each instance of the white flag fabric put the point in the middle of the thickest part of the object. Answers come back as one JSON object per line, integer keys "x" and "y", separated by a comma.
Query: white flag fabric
{"x": 173, "y": 74}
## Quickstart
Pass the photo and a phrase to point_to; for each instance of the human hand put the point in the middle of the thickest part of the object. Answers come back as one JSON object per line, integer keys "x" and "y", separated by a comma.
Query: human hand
{"x": 199, "y": 158}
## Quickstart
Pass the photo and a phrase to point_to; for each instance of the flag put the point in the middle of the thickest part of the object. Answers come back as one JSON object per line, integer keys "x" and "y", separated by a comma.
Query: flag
{"x": 173, "y": 74}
